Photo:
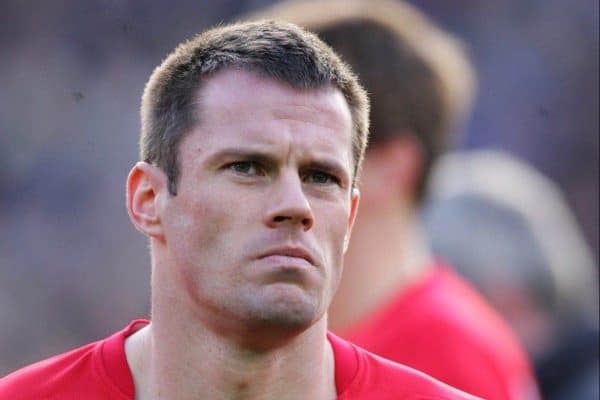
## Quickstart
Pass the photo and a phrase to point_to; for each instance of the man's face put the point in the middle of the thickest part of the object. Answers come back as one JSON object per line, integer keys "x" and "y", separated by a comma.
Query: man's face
{"x": 257, "y": 230}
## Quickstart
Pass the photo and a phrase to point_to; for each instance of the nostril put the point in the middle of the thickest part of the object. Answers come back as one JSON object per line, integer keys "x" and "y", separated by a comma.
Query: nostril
{"x": 307, "y": 222}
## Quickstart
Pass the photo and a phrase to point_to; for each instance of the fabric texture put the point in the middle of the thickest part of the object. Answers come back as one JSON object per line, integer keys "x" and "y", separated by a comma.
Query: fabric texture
{"x": 444, "y": 328}
{"x": 99, "y": 371}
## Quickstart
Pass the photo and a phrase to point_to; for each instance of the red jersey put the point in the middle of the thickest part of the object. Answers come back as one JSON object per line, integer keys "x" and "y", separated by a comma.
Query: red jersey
{"x": 442, "y": 327}
{"x": 99, "y": 371}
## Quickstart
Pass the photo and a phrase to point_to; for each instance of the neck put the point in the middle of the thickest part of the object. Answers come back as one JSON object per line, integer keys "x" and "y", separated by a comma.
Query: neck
{"x": 388, "y": 252}
{"x": 177, "y": 357}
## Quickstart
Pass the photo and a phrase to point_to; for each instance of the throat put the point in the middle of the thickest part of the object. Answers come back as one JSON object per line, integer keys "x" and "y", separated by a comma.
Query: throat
{"x": 208, "y": 368}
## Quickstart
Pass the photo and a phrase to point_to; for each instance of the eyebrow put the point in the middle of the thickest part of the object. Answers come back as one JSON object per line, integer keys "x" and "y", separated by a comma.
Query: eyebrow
{"x": 235, "y": 153}
{"x": 327, "y": 165}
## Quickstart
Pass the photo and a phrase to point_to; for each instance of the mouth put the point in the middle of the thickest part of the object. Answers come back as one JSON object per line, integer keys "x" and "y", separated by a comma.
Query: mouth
{"x": 289, "y": 254}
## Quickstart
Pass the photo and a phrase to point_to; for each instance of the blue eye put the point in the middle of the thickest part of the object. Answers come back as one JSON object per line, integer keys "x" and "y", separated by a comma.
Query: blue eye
{"x": 321, "y": 178}
{"x": 246, "y": 168}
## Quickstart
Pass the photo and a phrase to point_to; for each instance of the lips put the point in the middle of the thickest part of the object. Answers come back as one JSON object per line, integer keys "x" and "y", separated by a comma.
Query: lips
{"x": 290, "y": 253}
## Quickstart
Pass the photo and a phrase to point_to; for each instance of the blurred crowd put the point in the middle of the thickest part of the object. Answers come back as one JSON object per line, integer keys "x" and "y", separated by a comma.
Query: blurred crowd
{"x": 73, "y": 269}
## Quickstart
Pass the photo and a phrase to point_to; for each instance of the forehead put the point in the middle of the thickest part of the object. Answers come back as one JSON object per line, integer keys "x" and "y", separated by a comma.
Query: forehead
{"x": 232, "y": 88}
{"x": 243, "y": 98}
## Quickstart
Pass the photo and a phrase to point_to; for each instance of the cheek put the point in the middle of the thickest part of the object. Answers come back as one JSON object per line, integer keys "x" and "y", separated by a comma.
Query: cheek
{"x": 333, "y": 236}
{"x": 334, "y": 255}
{"x": 202, "y": 248}
{"x": 199, "y": 231}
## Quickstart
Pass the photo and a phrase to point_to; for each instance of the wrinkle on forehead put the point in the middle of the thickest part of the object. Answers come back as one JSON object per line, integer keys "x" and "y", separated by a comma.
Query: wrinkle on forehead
{"x": 242, "y": 109}
{"x": 224, "y": 95}
{"x": 273, "y": 137}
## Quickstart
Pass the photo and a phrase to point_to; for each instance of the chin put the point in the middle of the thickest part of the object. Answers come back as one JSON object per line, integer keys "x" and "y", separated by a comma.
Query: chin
{"x": 285, "y": 307}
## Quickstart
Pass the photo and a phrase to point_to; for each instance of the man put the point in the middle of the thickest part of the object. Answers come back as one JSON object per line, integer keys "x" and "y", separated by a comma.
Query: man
{"x": 395, "y": 299}
{"x": 252, "y": 136}
{"x": 508, "y": 228}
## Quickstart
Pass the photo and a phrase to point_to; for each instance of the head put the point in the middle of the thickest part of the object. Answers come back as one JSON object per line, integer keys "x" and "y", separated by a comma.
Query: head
{"x": 282, "y": 52}
{"x": 252, "y": 135}
{"x": 418, "y": 77}
{"x": 507, "y": 228}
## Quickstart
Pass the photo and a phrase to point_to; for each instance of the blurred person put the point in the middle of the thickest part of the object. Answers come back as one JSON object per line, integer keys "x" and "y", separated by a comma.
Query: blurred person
{"x": 252, "y": 136}
{"x": 507, "y": 228}
{"x": 395, "y": 299}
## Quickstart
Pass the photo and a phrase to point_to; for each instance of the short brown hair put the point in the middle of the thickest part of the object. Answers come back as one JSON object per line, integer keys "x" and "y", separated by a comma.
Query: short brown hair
{"x": 281, "y": 51}
{"x": 419, "y": 79}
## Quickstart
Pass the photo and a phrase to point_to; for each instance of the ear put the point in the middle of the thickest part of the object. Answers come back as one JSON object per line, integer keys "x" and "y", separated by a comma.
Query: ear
{"x": 146, "y": 184}
{"x": 354, "y": 202}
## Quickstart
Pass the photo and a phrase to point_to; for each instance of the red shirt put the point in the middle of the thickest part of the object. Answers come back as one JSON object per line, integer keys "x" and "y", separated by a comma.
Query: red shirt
{"x": 442, "y": 327}
{"x": 99, "y": 371}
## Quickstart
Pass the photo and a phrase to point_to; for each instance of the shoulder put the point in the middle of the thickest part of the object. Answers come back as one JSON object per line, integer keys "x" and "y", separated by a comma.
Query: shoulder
{"x": 477, "y": 327}
{"x": 49, "y": 377}
{"x": 98, "y": 370}
{"x": 478, "y": 353}
{"x": 363, "y": 375}
{"x": 384, "y": 377}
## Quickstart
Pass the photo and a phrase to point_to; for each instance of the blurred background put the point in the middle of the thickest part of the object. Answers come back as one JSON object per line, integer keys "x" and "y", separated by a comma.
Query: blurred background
{"x": 72, "y": 267}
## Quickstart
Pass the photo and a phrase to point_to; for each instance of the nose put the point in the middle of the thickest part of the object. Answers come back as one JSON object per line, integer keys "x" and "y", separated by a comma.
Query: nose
{"x": 288, "y": 204}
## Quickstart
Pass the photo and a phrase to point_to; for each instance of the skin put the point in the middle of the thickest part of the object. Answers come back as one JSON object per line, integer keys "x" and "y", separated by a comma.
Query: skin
{"x": 387, "y": 237}
{"x": 247, "y": 256}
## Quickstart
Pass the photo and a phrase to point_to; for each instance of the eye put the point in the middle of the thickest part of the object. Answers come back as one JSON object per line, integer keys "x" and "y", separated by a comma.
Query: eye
{"x": 246, "y": 168}
{"x": 321, "y": 178}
